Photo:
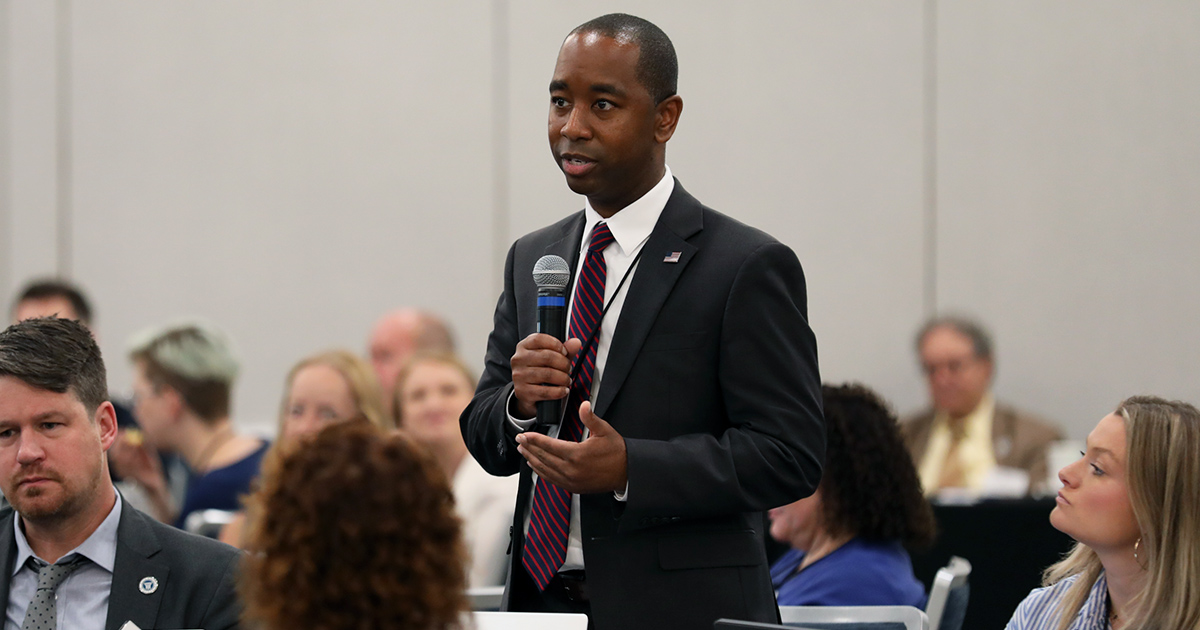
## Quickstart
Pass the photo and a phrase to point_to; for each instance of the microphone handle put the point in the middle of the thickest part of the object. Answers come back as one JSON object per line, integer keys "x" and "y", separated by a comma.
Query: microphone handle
{"x": 551, "y": 320}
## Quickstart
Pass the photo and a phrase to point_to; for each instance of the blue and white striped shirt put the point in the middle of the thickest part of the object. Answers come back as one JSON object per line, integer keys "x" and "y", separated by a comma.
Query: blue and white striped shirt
{"x": 1039, "y": 610}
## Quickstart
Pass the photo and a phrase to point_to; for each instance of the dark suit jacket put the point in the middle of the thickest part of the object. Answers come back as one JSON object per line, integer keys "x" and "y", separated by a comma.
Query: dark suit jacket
{"x": 712, "y": 380}
{"x": 196, "y": 576}
{"x": 1019, "y": 440}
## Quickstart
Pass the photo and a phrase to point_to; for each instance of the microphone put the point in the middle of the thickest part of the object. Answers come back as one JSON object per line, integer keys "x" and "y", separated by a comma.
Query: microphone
{"x": 551, "y": 275}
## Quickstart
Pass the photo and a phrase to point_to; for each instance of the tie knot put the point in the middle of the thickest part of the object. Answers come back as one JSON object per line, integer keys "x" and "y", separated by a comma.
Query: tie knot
{"x": 51, "y": 575}
{"x": 601, "y": 237}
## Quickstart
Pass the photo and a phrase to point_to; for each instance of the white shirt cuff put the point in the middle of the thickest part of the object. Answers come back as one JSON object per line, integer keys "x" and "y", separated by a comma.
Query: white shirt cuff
{"x": 521, "y": 425}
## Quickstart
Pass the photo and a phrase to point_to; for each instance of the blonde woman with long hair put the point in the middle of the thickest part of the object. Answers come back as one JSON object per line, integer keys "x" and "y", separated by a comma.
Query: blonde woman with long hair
{"x": 1132, "y": 503}
{"x": 320, "y": 390}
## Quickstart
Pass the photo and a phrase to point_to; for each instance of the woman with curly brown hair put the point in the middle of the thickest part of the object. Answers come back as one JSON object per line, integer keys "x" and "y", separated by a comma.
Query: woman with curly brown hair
{"x": 338, "y": 548}
{"x": 848, "y": 538}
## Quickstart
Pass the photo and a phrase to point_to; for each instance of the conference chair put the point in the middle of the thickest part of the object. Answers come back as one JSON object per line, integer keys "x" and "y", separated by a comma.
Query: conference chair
{"x": 733, "y": 624}
{"x": 528, "y": 621}
{"x": 947, "y": 606}
{"x": 854, "y": 617}
{"x": 485, "y": 598}
{"x": 208, "y": 523}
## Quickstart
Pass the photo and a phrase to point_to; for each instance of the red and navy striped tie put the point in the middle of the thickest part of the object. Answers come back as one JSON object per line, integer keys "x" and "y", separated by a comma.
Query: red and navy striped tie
{"x": 549, "y": 522}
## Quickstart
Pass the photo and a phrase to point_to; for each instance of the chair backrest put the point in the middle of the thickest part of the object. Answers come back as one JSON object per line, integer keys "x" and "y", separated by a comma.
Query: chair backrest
{"x": 733, "y": 624}
{"x": 948, "y": 596}
{"x": 529, "y": 621}
{"x": 854, "y": 617}
{"x": 208, "y": 523}
{"x": 485, "y": 597}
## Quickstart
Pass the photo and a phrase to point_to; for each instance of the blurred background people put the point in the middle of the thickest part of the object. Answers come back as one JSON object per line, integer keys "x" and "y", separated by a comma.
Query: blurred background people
{"x": 432, "y": 390}
{"x": 849, "y": 537}
{"x": 1131, "y": 504}
{"x": 182, "y": 381}
{"x": 323, "y": 389}
{"x": 354, "y": 529}
{"x": 967, "y": 442}
{"x": 51, "y": 297}
{"x": 399, "y": 334}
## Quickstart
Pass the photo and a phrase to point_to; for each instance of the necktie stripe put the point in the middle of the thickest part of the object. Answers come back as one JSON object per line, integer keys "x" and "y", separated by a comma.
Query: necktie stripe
{"x": 549, "y": 525}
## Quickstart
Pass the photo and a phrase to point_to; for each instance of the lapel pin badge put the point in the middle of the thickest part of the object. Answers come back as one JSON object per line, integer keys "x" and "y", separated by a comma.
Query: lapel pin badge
{"x": 148, "y": 585}
{"x": 673, "y": 257}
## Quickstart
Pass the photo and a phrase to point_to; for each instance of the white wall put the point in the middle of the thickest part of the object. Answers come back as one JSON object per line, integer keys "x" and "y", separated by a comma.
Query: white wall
{"x": 290, "y": 171}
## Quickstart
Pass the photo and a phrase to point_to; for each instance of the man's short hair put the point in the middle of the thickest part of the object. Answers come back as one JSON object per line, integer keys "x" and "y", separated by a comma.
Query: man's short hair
{"x": 54, "y": 288}
{"x": 657, "y": 67}
{"x": 57, "y": 355}
{"x": 981, "y": 339}
{"x": 195, "y": 360}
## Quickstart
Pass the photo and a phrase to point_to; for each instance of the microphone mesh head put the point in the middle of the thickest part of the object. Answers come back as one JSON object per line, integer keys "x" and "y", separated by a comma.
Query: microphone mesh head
{"x": 551, "y": 272}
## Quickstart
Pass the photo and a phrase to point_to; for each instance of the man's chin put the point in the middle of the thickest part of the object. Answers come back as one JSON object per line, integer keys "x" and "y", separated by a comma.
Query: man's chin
{"x": 36, "y": 503}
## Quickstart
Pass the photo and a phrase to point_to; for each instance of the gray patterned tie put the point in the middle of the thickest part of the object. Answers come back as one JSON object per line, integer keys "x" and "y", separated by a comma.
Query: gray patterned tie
{"x": 42, "y": 614}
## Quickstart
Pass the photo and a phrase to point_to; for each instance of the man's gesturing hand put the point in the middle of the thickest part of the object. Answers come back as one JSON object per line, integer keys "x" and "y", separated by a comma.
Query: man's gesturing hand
{"x": 597, "y": 464}
{"x": 541, "y": 370}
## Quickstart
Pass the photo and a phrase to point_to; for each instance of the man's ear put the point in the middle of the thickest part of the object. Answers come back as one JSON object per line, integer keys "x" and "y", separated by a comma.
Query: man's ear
{"x": 666, "y": 117}
{"x": 173, "y": 400}
{"x": 105, "y": 419}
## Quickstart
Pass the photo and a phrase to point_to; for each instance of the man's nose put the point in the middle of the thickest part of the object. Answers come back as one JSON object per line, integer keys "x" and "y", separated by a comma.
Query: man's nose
{"x": 30, "y": 450}
{"x": 575, "y": 127}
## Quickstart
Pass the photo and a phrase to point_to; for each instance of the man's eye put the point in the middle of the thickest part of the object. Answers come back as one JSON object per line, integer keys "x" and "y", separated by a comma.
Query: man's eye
{"x": 558, "y": 101}
{"x": 604, "y": 105}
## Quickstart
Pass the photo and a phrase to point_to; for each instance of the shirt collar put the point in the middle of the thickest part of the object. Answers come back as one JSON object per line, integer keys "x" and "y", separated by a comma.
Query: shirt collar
{"x": 100, "y": 547}
{"x": 632, "y": 224}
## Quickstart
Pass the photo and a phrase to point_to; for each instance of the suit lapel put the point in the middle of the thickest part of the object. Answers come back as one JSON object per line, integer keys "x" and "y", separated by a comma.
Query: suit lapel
{"x": 648, "y": 289}
{"x": 136, "y": 547}
{"x": 8, "y": 547}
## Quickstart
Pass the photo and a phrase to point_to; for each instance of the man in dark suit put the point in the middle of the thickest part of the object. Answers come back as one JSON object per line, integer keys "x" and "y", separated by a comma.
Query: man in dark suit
{"x": 74, "y": 555}
{"x": 696, "y": 402}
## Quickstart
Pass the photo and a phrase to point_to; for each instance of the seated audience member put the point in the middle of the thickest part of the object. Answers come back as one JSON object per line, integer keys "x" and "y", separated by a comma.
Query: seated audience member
{"x": 320, "y": 390}
{"x": 397, "y": 336}
{"x": 182, "y": 381}
{"x": 353, "y": 529}
{"x": 849, "y": 536}
{"x": 432, "y": 390}
{"x": 967, "y": 441}
{"x": 52, "y": 298}
{"x": 59, "y": 298}
{"x": 1130, "y": 502}
{"x": 74, "y": 554}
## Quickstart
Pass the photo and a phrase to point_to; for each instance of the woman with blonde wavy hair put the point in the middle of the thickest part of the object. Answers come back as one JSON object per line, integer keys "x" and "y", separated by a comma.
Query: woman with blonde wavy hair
{"x": 354, "y": 528}
{"x": 1131, "y": 503}
{"x": 322, "y": 389}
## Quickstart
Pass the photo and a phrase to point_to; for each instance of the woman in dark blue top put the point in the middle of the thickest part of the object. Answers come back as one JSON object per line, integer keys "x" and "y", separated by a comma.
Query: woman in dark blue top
{"x": 848, "y": 539}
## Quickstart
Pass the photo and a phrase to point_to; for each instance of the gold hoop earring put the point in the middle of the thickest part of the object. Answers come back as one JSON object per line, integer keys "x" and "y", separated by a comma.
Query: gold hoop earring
{"x": 1136, "y": 545}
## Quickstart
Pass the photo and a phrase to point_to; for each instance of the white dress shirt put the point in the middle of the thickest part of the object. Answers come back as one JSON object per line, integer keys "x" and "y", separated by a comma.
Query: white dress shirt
{"x": 82, "y": 598}
{"x": 631, "y": 228}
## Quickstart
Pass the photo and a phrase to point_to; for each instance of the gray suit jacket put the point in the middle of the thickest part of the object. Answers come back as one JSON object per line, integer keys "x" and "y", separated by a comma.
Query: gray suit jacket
{"x": 196, "y": 576}
{"x": 712, "y": 380}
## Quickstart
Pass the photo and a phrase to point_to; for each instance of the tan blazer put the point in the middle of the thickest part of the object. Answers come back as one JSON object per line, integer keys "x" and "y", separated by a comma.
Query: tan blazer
{"x": 1019, "y": 440}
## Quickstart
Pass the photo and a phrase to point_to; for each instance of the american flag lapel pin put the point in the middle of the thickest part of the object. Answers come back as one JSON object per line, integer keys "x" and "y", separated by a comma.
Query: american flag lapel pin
{"x": 673, "y": 257}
